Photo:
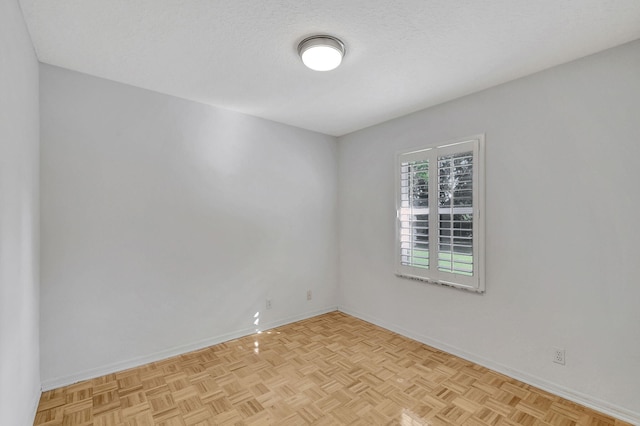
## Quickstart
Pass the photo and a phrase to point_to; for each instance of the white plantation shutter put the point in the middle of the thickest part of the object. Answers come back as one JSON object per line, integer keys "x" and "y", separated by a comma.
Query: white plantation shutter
{"x": 414, "y": 213}
{"x": 439, "y": 232}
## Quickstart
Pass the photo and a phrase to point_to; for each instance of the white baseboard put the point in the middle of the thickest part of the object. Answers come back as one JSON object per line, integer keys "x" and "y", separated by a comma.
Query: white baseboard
{"x": 575, "y": 396}
{"x": 168, "y": 353}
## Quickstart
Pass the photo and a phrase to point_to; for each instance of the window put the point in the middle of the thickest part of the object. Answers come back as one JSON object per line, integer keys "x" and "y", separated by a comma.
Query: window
{"x": 439, "y": 231}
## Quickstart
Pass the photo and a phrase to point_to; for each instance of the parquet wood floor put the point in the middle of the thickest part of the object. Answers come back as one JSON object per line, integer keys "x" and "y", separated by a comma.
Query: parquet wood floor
{"x": 329, "y": 370}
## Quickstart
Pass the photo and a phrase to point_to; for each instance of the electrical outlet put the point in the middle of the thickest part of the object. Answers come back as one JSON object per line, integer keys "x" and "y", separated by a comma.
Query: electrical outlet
{"x": 268, "y": 304}
{"x": 558, "y": 356}
{"x": 309, "y": 295}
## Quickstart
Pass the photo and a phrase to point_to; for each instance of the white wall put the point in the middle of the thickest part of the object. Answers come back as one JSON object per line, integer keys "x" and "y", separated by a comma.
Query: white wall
{"x": 167, "y": 223}
{"x": 563, "y": 235}
{"x": 19, "y": 292}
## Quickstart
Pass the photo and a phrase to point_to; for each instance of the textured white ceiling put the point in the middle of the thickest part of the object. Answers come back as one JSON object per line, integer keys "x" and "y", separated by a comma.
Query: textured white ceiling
{"x": 402, "y": 55}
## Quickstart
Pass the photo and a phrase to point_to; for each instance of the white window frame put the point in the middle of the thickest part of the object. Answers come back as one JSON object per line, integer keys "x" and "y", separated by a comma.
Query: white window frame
{"x": 432, "y": 274}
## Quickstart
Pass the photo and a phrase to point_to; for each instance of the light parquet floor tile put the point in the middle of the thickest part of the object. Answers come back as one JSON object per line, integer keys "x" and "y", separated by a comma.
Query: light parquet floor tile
{"x": 329, "y": 370}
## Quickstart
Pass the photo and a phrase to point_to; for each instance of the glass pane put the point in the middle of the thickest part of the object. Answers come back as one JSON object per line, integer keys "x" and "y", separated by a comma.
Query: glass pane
{"x": 414, "y": 214}
{"x": 455, "y": 213}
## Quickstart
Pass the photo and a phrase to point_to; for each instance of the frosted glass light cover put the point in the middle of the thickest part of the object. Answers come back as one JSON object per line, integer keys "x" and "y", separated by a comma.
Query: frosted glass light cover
{"x": 322, "y": 58}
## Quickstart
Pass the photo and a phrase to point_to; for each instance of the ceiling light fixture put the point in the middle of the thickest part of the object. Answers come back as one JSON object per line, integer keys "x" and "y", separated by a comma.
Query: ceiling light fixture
{"x": 321, "y": 52}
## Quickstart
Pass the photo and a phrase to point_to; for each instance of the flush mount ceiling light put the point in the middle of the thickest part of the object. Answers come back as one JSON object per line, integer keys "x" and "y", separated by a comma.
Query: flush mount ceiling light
{"x": 321, "y": 52}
